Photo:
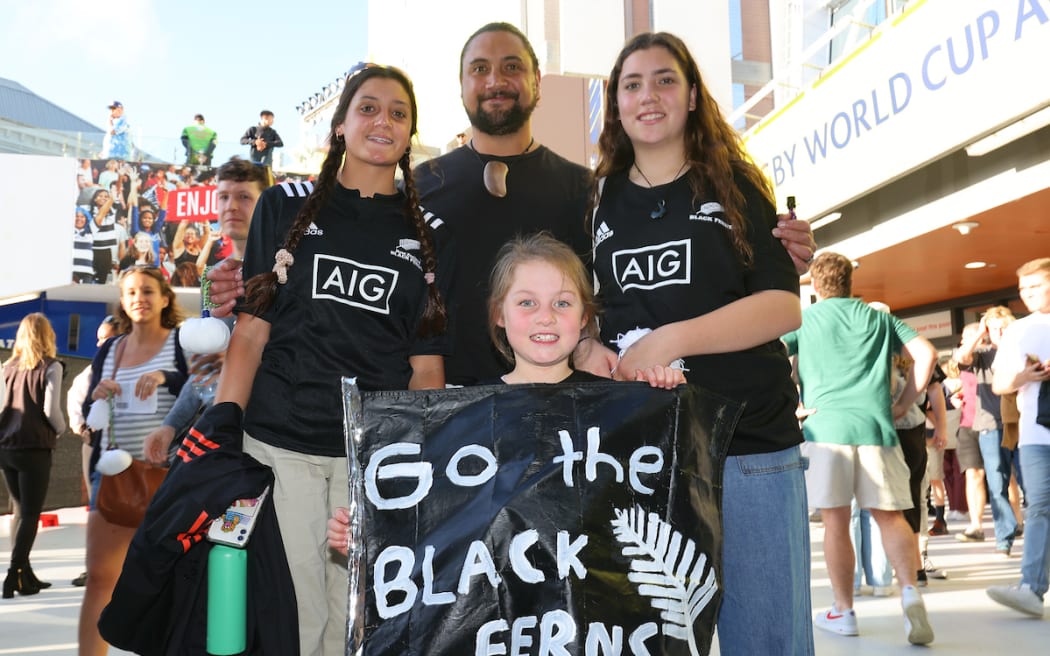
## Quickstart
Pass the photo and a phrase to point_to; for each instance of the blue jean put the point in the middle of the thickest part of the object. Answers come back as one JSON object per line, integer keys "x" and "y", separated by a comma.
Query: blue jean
{"x": 766, "y": 607}
{"x": 96, "y": 483}
{"x": 872, "y": 563}
{"x": 1035, "y": 564}
{"x": 997, "y": 469}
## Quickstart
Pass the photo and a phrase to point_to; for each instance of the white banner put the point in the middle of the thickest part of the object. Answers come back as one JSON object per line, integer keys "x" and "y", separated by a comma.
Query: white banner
{"x": 940, "y": 76}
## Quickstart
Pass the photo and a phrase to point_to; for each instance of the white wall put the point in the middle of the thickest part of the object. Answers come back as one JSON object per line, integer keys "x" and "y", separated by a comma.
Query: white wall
{"x": 37, "y": 199}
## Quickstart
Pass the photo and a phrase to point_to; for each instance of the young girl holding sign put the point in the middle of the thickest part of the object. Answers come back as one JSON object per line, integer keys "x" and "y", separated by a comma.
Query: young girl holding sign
{"x": 540, "y": 301}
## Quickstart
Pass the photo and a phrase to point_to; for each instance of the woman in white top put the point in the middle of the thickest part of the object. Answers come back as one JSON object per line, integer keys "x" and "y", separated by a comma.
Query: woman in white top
{"x": 140, "y": 373}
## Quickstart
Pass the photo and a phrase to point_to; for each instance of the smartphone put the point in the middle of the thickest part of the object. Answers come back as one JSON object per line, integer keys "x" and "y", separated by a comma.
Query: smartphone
{"x": 791, "y": 206}
{"x": 236, "y": 523}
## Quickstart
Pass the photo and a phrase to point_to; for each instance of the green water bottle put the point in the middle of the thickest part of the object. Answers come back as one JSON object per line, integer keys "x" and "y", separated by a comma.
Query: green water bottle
{"x": 227, "y": 600}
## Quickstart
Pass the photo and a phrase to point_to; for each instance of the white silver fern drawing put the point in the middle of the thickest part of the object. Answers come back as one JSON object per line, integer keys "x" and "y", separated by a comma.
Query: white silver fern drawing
{"x": 666, "y": 568}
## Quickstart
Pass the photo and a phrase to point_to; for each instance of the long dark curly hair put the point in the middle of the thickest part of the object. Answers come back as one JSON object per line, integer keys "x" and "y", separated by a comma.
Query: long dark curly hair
{"x": 261, "y": 289}
{"x": 712, "y": 147}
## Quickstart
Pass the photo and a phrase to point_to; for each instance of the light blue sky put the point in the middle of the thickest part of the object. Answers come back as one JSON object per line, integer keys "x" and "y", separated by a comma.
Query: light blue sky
{"x": 167, "y": 61}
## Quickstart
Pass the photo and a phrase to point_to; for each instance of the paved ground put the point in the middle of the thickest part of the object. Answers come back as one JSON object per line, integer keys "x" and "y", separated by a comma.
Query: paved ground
{"x": 964, "y": 619}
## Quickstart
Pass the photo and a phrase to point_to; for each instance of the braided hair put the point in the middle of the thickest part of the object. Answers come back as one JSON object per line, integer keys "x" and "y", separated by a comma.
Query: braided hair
{"x": 261, "y": 289}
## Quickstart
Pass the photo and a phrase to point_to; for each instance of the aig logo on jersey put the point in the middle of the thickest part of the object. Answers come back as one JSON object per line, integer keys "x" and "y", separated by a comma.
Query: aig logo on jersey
{"x": 653, "y": 266}
{"x": 360, "y": 285}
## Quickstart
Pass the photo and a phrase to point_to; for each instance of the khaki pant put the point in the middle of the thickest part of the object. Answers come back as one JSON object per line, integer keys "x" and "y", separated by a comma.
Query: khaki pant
{"x": 306, "y": 490}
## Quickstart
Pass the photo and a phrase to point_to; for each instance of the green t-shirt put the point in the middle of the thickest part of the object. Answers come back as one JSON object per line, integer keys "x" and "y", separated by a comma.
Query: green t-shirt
{"x": 845, "y": 355}
{"x": 200, "y": 138}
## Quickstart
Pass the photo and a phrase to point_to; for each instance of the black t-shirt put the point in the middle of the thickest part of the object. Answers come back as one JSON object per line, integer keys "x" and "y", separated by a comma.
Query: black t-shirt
{"x": 351, "y": 307}
{"x": 653, "y": 272}
{"x": 213, "y": 256}
{"x": 544, "y": 192}
{"x": 574, "y": 377}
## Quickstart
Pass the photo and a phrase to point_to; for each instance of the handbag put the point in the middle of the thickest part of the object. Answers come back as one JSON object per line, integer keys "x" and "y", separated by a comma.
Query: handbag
{"x": 1042, "y": 406}
{"x": 123, "y": 498}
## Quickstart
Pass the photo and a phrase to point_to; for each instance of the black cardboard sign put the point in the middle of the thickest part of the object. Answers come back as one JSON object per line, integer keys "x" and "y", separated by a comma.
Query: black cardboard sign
{"x": 536, "y": 519}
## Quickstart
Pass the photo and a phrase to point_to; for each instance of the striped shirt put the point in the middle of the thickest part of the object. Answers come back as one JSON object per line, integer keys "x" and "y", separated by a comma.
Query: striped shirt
{"x": 105, "y": 234}
{"x": 130, "y": 430}
{"x": 82, "y": 259}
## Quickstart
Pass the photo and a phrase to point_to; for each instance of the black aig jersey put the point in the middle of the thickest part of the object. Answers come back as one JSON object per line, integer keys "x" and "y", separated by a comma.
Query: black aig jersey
{"x": 351, "y": 307}
{"x": 656, "y": 271}
{"x": 544, "y": 192}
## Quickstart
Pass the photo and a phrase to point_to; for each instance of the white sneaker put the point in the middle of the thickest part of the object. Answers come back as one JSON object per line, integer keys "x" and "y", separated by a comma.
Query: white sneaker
{"x": 1019, "y": 597}
{"x": 916, "y": 623}
{"x": 835, "y": 621}
{"x": 956, "y": 516}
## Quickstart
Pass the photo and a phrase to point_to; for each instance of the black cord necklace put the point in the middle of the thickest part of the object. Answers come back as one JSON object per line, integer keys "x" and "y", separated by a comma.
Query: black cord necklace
{"x": 495, "y": 174}
{"x": 661, "y": 205}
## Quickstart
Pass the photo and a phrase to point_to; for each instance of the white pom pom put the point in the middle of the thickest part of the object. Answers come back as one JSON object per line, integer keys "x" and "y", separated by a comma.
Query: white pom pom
{"x": 204, "y": 335}
{"x": 113, "y": 461}
{"x": 98, "y": 415}
{"x": 625, "y": 340}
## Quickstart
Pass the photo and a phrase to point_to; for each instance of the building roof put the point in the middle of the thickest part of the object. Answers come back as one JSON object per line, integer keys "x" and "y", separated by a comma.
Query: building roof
{"x": 20, "y": 105}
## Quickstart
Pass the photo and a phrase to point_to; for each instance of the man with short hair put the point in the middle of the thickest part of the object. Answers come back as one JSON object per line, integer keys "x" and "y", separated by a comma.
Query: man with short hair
{"x": 1023, "y": 365}
{"x": 199, "y": 141}
{"x": 240, "y": 185}
{"x": 846, "y": 351}
{"x": 117, "y": 141}
{"x": 262, "y": 139}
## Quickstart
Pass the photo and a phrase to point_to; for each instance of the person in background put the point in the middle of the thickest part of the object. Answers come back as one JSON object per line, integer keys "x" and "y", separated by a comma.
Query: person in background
{"x": 976, "y": 355}
{"x": 1022, "y": 365}
{"x": 109, "y": 174}
{"x": 75, "y": 398}
{"x": 83, "y": 259}
{"x": 935, "y": 454}
{"x": 104, "y": 235}
{"x": 117, "y": 141}
{"x": 953, "y": 476}
{"x": 199, "y": 141}
{"x": 30, "y": 422}
{"x": 139, "y": 252}
{"x": 194, "y": 244}
{"x": 240, "y": 185}
{"x": 846, "y": 351}
{"x": 262, "y": 139}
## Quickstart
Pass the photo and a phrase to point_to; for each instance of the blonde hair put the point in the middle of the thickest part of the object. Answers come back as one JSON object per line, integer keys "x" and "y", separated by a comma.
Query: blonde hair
{"x": 34, "y": 342}
{"x": 1000, "y": 312}
{"x": 1040, "y": 265}
{"x": 540, "y": 247}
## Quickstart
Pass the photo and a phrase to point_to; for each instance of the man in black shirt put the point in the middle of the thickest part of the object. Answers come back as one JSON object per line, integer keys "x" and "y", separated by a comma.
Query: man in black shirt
{"x": 263, "y": 139}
